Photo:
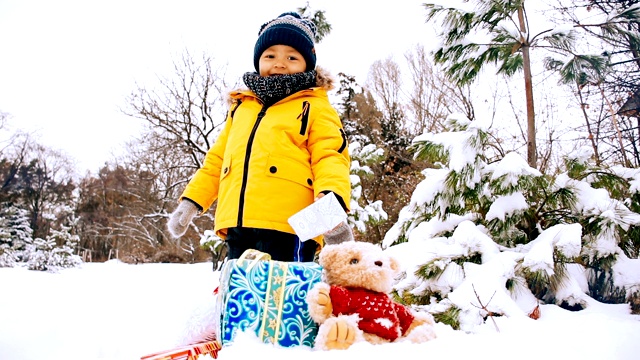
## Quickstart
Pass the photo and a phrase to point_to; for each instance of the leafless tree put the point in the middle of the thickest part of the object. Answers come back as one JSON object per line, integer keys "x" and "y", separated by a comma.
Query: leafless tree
{"x": 38, "y": 179}
{"x": 183, "y": 115}
{"x": 431, "y": 96}
{"x": 390, "y": 111}
{"x": 602, "y": 88}
{"x": 186, "y": 110}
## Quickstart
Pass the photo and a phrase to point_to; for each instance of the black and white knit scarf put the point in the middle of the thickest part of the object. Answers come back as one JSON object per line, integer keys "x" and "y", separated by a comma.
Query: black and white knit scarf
{"x": 271, "y": 89}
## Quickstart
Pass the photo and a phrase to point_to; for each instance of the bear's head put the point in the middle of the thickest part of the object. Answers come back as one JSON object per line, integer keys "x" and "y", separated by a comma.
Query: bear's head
{"x": 360, "y": 265}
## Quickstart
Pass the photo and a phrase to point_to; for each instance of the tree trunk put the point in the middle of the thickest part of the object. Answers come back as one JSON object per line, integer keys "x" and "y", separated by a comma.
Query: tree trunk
{"x": 623, "y": 152}
{"x": 586, "y": 119}
{"x": 532, "y": 156}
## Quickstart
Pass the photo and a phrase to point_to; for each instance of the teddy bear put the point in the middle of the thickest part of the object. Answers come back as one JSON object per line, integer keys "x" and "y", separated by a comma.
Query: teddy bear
{"x": 352, "y": 302}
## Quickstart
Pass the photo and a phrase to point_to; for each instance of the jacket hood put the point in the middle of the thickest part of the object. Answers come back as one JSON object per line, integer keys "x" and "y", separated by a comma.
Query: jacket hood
{"x": 324, "y": 79}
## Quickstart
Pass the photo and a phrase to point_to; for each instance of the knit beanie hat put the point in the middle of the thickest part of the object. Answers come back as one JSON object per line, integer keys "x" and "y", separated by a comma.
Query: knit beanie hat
{"x": 287, "y": 29}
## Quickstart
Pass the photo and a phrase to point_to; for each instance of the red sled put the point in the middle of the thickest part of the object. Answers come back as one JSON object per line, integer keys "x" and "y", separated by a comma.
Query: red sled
{"x": 187, "y": 352}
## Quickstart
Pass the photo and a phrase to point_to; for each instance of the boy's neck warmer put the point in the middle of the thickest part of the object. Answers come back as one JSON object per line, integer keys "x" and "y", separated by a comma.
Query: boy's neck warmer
{"x": 271, "y": 89}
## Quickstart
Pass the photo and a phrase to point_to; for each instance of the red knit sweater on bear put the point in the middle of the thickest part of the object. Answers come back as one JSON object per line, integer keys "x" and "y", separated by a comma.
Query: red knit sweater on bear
{"x": 378, "y": 313}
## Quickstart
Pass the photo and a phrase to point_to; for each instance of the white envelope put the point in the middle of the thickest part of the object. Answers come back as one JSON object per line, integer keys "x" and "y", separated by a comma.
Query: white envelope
{"x": 318, "y": 218}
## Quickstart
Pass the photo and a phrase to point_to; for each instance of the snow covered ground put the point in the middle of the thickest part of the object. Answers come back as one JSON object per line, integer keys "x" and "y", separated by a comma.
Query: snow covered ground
{"x": 119, "y": 311}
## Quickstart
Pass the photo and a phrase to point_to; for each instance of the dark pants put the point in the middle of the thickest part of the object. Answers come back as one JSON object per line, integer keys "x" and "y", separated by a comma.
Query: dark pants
{"x": 280, "y": 245}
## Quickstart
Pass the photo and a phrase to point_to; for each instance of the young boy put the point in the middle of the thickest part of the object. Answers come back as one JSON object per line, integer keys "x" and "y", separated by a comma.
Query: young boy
{"x": 282, "y": 148}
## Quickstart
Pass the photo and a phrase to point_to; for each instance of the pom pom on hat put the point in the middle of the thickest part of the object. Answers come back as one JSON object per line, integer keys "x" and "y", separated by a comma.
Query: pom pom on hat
{"x": 288, "y": 29}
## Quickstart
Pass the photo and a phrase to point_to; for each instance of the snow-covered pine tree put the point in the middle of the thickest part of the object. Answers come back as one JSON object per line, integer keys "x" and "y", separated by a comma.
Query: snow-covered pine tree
{"x": 215, "y": 245}
{"x": 364, "y": 153}
{"x": 37, "y": 253}
{"x": 608, "y": 207}
{"x": 7, "y": 254}
{"x": 53, "y": 253}
{"x": 495, "y": 227}
{"x": 362, "y": 211}
{"x": 63, "y": 254}
{"x": 15, "y": 234}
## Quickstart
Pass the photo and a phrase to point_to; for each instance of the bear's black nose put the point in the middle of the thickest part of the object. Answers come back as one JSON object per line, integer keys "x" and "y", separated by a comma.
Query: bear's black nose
{"x": 378, "y": 263}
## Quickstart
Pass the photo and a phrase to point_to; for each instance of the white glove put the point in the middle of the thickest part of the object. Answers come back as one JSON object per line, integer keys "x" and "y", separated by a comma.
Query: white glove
{"x": 181, "y": 217}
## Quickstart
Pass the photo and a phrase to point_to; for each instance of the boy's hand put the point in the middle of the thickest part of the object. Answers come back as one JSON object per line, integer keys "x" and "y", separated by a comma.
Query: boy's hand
{"x": 181, "y": 217}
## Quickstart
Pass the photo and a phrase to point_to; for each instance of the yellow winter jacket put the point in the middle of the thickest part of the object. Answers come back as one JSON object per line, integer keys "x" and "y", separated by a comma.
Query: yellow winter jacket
{"x": 269, "y": 163}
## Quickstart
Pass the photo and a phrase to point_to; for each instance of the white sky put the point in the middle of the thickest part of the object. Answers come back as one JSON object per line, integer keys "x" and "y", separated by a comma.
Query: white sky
{"x": 67, "y": 65}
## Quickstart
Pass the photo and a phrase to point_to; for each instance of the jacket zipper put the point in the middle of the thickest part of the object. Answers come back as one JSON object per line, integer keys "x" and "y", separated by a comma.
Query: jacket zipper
{"x": 245, "y": 174}
{"x": 305, "y": 117}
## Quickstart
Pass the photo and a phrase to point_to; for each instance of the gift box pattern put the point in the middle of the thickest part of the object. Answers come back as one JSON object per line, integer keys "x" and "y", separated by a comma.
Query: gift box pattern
{"x": 268, "y": 297}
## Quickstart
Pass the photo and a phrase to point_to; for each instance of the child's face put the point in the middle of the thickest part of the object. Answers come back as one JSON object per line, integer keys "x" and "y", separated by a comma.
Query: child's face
{"x": 281, "y": 60}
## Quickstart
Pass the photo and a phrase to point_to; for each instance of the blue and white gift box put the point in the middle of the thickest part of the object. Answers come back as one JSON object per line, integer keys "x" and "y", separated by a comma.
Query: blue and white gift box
{"x": 267, "y": 297}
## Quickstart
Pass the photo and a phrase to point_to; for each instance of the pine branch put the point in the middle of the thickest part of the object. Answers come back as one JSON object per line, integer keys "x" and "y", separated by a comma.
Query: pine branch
{"x": 484, "y": 307}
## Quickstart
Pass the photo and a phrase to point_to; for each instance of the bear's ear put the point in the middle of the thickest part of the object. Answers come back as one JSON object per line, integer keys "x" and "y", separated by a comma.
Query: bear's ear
{"x": 327, "y": 256}
{"x": 394, "y": 264}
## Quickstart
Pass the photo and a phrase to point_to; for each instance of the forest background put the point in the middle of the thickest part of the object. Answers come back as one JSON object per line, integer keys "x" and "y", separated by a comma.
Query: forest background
{"x": 543, "y": 90}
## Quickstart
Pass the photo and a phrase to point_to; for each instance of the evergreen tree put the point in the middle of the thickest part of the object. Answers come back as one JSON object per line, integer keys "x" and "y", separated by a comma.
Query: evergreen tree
{"x": 47, "y": 255}
{"x": 481, "y": 216}
{"x": 37, "y": 254}
{"x": 7, "y": 255}
{"x": 364, "y": 212}
{"x": 216, "y": 246}
{"x": 509, "y": 41}
{"x": 319, "y": 20}
{"x": 360, "y": 120}
{"x": 64, "y": 254}
{"x": 15, "y": 234}
{"x": 482, "y": 32}
{"x": 608, "y": 70}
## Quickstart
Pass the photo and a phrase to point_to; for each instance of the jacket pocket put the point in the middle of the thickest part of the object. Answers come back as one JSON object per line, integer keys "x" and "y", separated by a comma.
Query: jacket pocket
{"x": 226, "y": 167}
{"x": 290, "y": 170}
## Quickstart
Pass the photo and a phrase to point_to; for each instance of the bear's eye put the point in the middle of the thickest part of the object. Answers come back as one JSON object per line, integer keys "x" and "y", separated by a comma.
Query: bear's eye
{"x": 354, "y": 261}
